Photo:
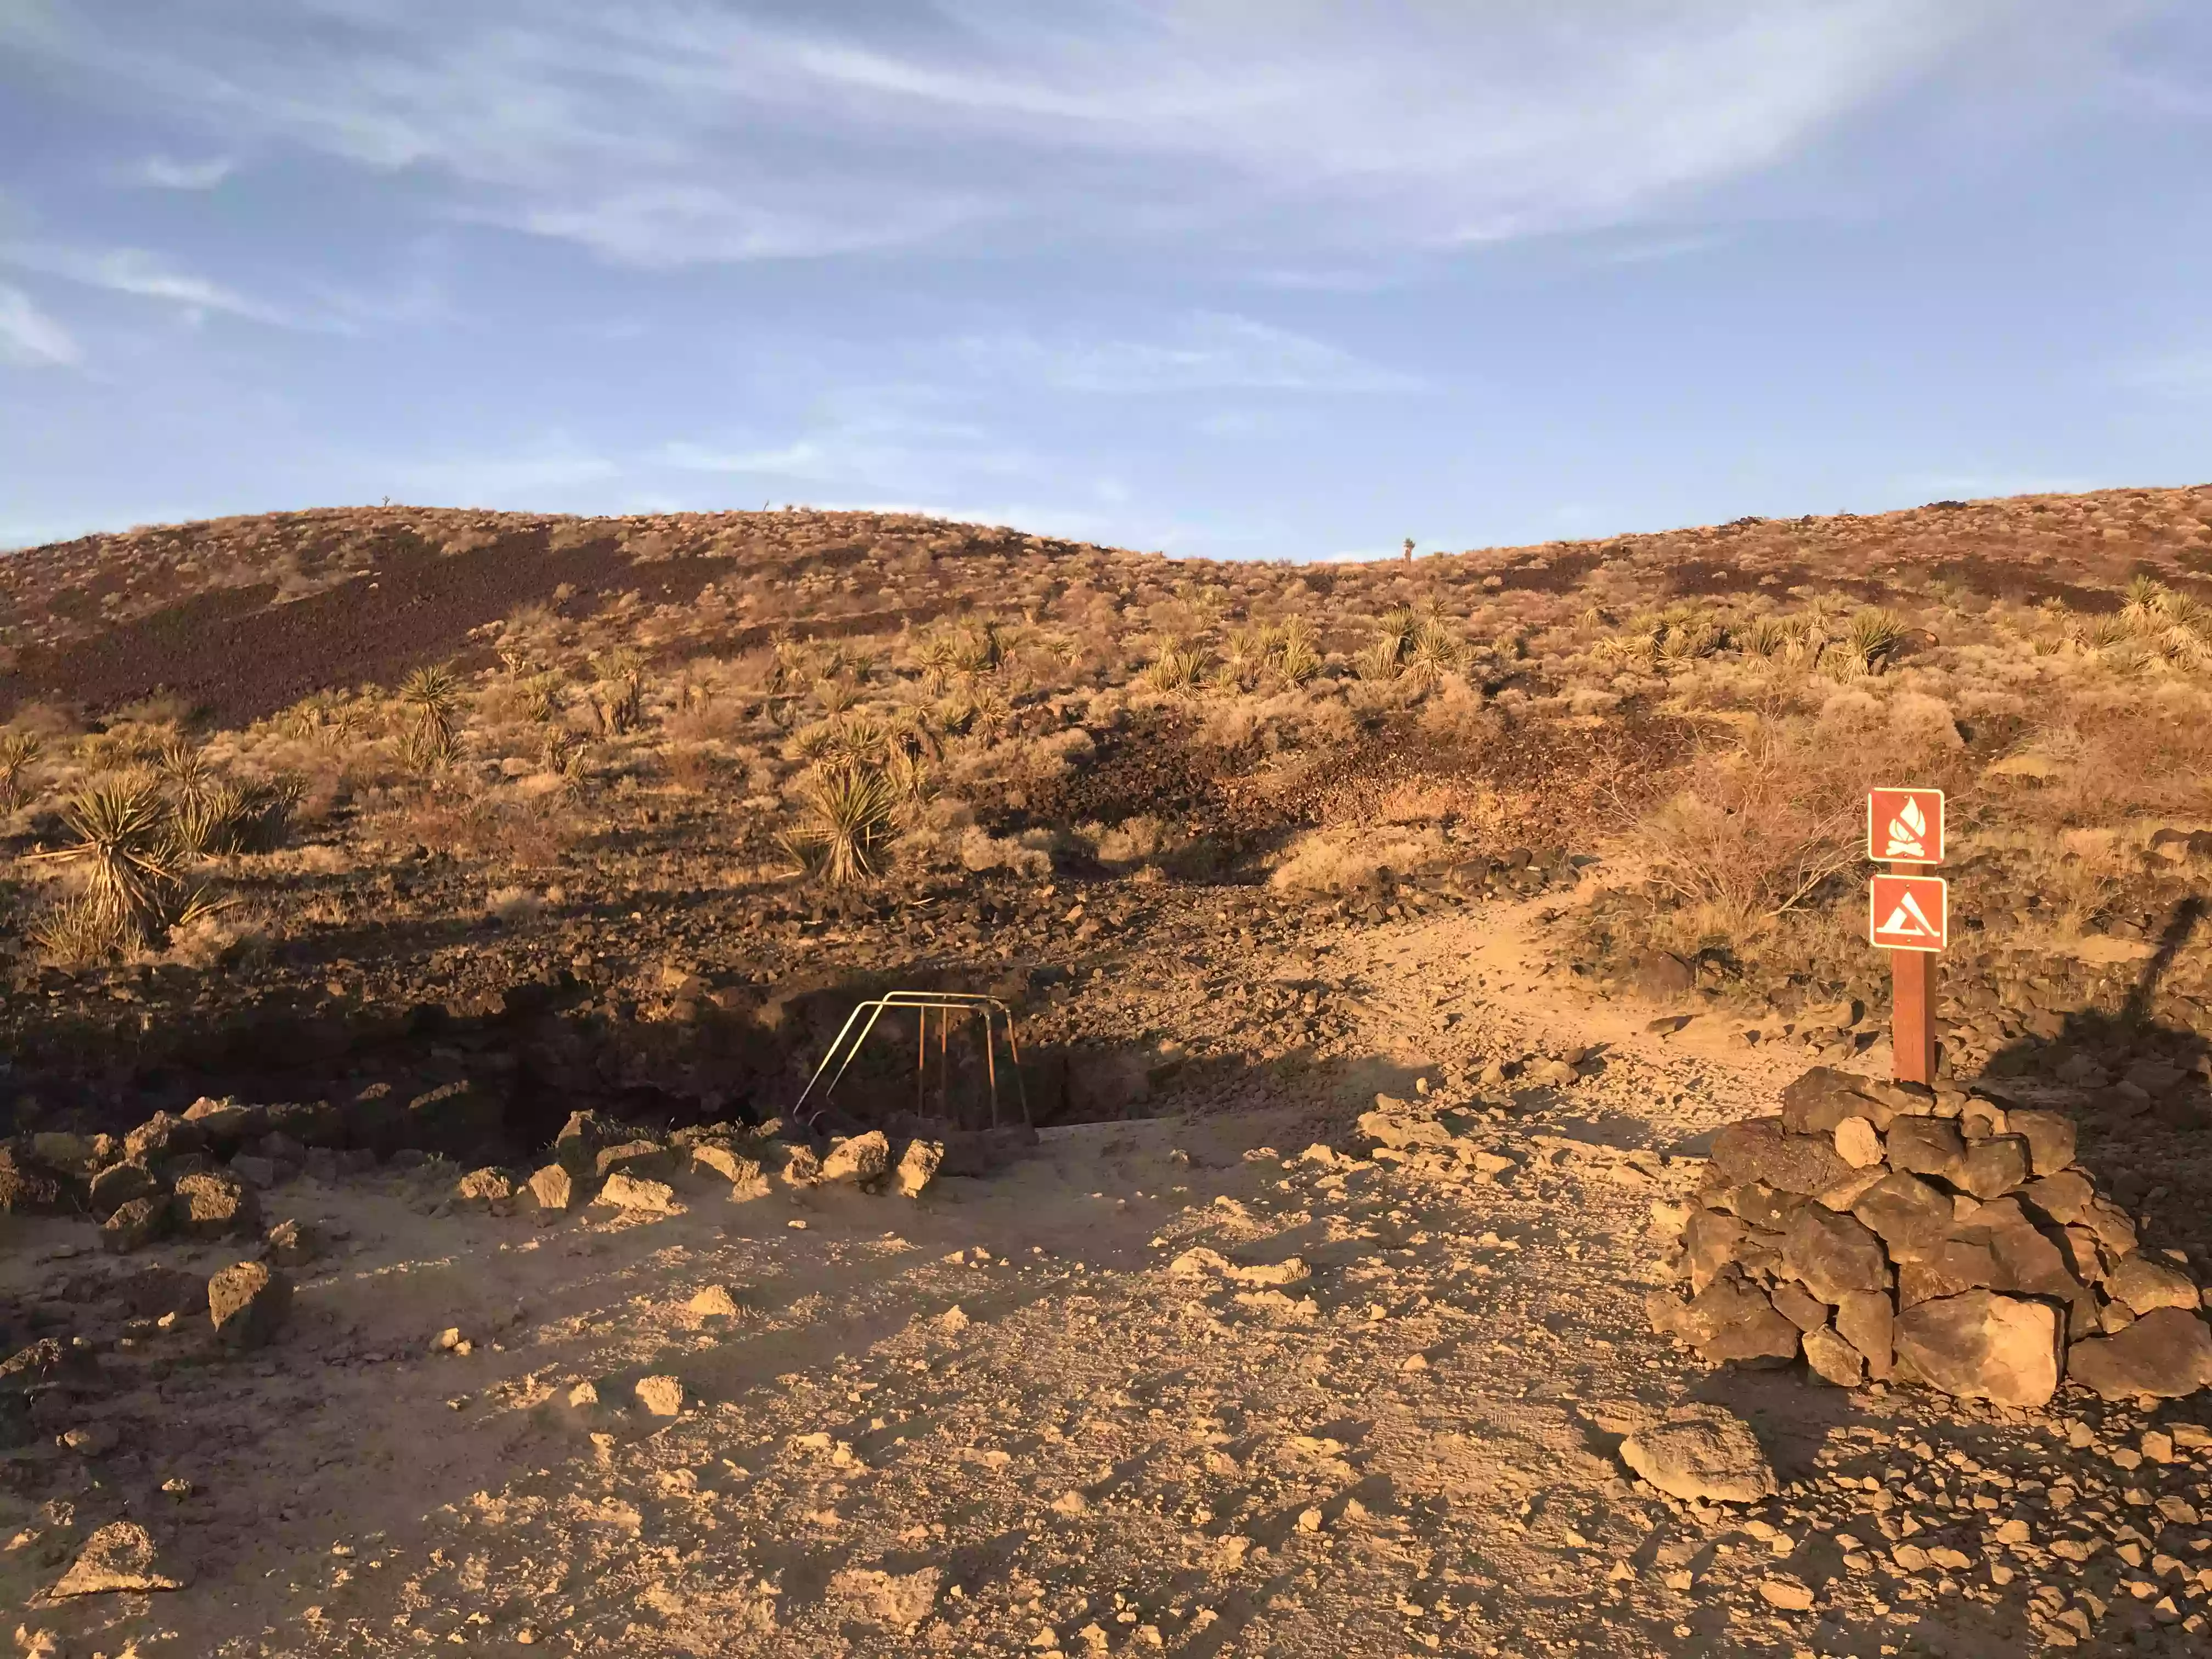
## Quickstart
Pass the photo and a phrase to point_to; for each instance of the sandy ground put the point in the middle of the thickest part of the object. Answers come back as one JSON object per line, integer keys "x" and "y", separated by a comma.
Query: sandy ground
{"x": 996, "y": 1420}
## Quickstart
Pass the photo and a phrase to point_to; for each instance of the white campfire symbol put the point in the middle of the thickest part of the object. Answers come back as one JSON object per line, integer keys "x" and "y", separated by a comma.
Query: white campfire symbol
{"x": 1908, "y": 834}
{"x": 1908, "y": 920}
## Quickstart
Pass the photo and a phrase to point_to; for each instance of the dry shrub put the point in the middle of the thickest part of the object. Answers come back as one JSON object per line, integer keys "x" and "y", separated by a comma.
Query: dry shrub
{"x": 1758, "y": 825}
{"x": 1029, "y": 854}
{"x": 1343, "y": 858}
{"x": 513, "y": 904}
{"x": 479, "y": 827}
{"x": 1132, "y": 843}
{"x": 692, "y": 766}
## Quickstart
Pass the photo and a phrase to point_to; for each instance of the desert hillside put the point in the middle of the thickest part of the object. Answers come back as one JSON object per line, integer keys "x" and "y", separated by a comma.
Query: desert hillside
{"x": 473, "y": 894}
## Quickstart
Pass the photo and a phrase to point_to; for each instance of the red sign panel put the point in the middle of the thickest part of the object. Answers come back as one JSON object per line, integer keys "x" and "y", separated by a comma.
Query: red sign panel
{"x": 1909, "y": 913}
{"x": 1904, "y": 826}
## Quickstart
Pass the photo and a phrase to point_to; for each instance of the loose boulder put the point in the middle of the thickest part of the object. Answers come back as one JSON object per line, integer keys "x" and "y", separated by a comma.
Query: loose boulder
{"x": 214, "y": 1205}
{"x": 121, "y": 1556}
{"x": 1704, "y": 1455}
{"x": 2167, "y": 1353}
{"x": 861, "y": 1158}
{"x": 249, "y": 1302}
{"x": 1983, "y": 1345}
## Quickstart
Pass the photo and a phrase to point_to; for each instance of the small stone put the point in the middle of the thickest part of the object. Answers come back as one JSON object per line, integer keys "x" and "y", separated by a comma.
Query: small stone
{"x": 2065, "y": 1197}
{"x": 802, "y": 1166}
{"x": 1834, "y": 1359}
{"x": 2049, "y": 1137}
{"x": 248, "y": 1302}
{"x": 553, "y": 1188}
{"x": 663, "y": 1396}
{"x": 2146, "y": 1286}
{"x": 1858, "y": 1142}
{"x": 1823, "y": 1099}
{"x": 1703, "y": 1454}
{"x": 719, "y": 1157}
{"x": 1760, "y": 1149}
{"x": 628, "y": 1193}
{"x": 917, "y": 1167}
{"x": 118, "y": 1183}
{"x": 1835, "y": 1254}
{"x": 2167, "y": 1353}
{"x": 211, "y": 1205}
{"x": 1926, "y": 1145}
{"x": 491, "y": 1189}
{"x": 293, "y": 1243}
{"x": 1867, "y": 1320}
{"x": 164, "y": 1136}
{"x": 120, "y": 1556}
{"x": 715, "y": 1301}
{"x": 1800, "y": 1306}
{"x": 1994, "y": 1167}
{"x": 1910, "y": 1216}
{"x": 1790, "y": 1595}
{"x": 135, "y": 1224}
{"x": 859, "y": 1159}
{"x": 257, "y": 1171}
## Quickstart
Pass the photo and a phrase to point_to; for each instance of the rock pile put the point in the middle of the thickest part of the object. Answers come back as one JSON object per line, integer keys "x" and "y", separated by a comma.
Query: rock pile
{"x": 199, "y": 1176}
{"x": 1940, "y": 1238}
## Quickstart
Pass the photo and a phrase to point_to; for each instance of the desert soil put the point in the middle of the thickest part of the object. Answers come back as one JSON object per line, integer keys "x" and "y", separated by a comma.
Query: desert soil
{"x": 999, "y": 1420}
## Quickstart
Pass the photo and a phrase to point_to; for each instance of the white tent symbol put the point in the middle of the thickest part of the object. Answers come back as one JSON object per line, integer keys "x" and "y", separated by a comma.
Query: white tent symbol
{"x": 1907, "y": 834}
{"x": 1908, "y": 920}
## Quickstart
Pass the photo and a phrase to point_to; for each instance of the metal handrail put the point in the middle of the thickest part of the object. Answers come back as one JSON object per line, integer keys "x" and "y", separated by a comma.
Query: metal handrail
{"x": 947, "y": 1003}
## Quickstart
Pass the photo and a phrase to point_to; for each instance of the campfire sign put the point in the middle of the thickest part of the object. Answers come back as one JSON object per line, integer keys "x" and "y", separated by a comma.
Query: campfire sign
{"x": 1904, "y": 826}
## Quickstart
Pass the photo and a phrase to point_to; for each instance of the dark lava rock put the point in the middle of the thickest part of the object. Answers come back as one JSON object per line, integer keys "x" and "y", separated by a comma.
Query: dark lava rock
{"x": 1761, "y": 1150}
{"x": 215, "y": 1205}
{"x": 1926, "y": 1145}
{"x": 135, "y": 1223}
{"x": 118, "y": 1183}
{"x": 1911, "y": 1217}
{"x": 1823, "y": 1097}
{"x": 2167, "y": 1353}
{"x": 248, "y": 1302}
{"x": 1835, "y": 1254}
{"x": 161, "y": 1137}
{"x": 644, "y": 1160}
{"x": 2049, "y": 1140}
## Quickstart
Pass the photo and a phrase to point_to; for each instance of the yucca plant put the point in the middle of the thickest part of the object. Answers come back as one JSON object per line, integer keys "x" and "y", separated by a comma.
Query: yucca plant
{"x": 19, "y": 753}
{"x": 849, "y": 812}
{"x": 1378, "y": 660}
{"x": 1297, "y": 651}
{"x": 912, "y": 782}
{"x": 1766, "y": 636}
{"x": 1433, "y": 651}
{"x": 1872, "y": 636}
{"x": 1176, "y": 668}
{"x": 618, "y": 700}
{"x": 836, "y": 695}
{"x": 184, "y": 769}
{"x": 433, "y": 696}
{"x": 125, "y": 856}
{"x": 2146, "y": 600}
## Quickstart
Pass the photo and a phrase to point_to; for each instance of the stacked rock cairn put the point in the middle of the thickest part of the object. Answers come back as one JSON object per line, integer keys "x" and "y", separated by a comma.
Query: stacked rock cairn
{"x": 1885, "y": 1232}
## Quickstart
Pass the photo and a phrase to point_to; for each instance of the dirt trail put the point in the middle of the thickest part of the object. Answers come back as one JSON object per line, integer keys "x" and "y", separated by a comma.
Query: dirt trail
{"x": 1016, "y": 1417}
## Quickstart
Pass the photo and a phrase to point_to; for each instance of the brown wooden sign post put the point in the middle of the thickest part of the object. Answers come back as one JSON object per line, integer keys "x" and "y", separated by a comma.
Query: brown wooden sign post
{"x": 1909, "y": 916}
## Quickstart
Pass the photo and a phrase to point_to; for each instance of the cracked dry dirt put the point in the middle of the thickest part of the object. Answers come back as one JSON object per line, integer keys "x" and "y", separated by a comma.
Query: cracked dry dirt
{"x": 994, "y": 1420}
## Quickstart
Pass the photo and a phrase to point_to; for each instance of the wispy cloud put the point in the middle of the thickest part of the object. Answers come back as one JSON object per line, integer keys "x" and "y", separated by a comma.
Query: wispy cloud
{"x": 1206, "y": 353}
{"x": 881, "y": 450}
{"x": 665, "y": 131}
{"x": 166, "y": 172}
{"x": 29, "y": 337}
{"x": 142, "y": 275}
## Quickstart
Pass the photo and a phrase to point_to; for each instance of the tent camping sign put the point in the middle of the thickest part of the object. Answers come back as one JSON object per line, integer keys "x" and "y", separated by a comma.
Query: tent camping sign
{"x": 1909, "y": 916}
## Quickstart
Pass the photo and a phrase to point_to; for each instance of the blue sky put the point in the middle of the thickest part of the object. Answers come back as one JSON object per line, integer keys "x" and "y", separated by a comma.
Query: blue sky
{"x": 1281, "y": 278}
